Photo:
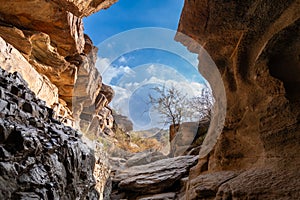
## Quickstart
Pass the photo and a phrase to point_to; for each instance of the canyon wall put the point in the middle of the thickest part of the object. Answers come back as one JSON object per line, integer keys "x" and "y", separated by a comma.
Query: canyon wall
{"x": 44, "y": 42}
{"x": 55, "y": 57}
{"x": 40, "y": 158}
{"x": 255, "y": 45}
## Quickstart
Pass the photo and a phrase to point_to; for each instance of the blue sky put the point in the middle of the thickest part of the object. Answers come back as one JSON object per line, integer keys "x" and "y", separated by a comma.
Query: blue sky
{"x": 134, "y": 60}
{"x": 128, "y": 14}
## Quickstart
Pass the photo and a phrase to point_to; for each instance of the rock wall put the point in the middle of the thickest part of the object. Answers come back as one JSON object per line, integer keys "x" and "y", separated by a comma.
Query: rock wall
{"x": 40, "y": 158}
{"x": 50, "y": 50}
{"x": 44, "y": 42}
{"x": 255, "y": 45}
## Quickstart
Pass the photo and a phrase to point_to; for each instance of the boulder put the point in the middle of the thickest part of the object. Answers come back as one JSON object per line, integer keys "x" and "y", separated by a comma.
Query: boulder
{"x": 154, "y": 177}
{"x": 144, "y": 157}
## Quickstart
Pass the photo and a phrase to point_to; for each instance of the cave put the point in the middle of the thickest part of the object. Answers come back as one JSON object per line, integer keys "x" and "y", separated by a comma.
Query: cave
{"x": 284, "y": 62}
{"x": 59, "y": 128}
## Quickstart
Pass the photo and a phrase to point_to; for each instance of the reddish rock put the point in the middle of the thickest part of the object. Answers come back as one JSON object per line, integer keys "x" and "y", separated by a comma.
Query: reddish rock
{"x": 253, "y": 44}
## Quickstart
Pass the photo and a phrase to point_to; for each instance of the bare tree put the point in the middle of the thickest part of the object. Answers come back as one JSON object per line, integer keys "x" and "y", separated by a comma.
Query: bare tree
{"x": 176, "y": 107}
{"x": 201, "y": 106}
{"x": 170, "y": 103}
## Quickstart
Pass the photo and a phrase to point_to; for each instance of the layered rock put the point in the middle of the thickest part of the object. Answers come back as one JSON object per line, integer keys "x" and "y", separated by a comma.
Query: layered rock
{"x": 40, "y": 158}
{"x": 252, "y": 184}
{"x": 12, "y": 60}
{"x": 143, "y": 158}
{"x": 61, "y": 20}
{"x": 156, "y": 180}
{"x": 44, "y": 42}
{"x": 85, "y": 8}
{"x": 254, "y": 45}
{"x": 49, "y": 35}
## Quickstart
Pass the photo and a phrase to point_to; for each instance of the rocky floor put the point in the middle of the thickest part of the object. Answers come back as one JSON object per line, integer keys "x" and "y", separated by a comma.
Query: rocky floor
{"x": 149, "y": 176}
{"x": 40, "y": 158}
{"x": 167, "y": 179}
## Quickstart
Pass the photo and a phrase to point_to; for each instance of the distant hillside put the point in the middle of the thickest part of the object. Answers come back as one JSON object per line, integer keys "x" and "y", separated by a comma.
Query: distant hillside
{"x": 156, "y": 133}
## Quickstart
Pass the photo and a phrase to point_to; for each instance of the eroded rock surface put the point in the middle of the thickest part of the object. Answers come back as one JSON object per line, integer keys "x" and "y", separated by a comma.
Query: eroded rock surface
{"x": 123, "y": 122}
{"x": 12, "y": 60}
{"x": 44, "y": 42}
{"x": 157, "y": 177}
{"x": 40, "y": 158}
{"x": 58, "y": 58}
{"x": 253, "y": 44}
{"x": 61, "y": 20}
{"x": 144, "y": 157}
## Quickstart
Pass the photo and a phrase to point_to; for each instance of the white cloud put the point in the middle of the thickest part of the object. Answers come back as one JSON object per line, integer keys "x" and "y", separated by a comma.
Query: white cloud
{"x": 109, "y": 72}
{"x": 184, "y": 86}
{"x": 123, "y": 95}
{"x": 190, "y": 89}
{"x": 120, "y": 101}
{"x": 197, "y": 88}
{"x": 102, "y": 64}
{"x": 122, "y": 59}
{"x": 131, "y": 79}
{"x": 127, "y": 70}
{"x": 132, "y": 86}
{"x": 151, "y": 69}
{"x": 153, "y": 73}
{"x": 163, "y": 72}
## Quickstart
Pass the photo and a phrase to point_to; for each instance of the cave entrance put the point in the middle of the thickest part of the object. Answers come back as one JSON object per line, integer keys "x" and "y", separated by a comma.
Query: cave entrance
{"x": 284, "y": 62}
{"x": 160, "y": 96}
{"x": 162, "y": 103}
{"x": 165, "y": 112}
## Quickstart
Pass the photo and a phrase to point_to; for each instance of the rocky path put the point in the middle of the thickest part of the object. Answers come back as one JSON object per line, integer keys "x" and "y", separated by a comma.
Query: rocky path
{"x": 148, "y": 176}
